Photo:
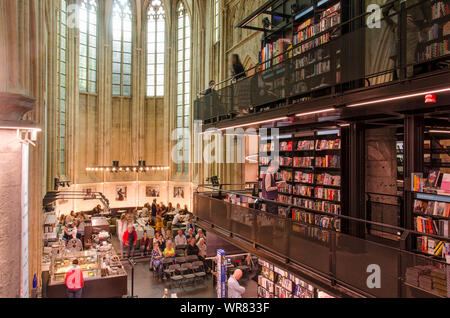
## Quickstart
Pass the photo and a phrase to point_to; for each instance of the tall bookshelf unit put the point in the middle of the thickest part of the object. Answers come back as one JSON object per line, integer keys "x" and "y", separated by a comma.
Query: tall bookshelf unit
{"x": 311, "y": 166}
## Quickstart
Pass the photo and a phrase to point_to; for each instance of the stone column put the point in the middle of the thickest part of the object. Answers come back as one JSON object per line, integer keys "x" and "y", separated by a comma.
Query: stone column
{"x": 12, "y": 196}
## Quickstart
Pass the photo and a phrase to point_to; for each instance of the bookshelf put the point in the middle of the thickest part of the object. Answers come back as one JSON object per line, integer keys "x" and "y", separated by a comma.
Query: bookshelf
{"x": 274, "y": 282}
{"x": 311, "y": 166}
{"x": 305, "y": 38}
{"x": 434, "y": 36}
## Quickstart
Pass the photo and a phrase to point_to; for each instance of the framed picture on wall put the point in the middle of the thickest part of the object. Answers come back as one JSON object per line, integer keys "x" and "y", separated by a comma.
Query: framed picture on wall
{"x": 178, "y": 192}
{"x": 121, "y": 193}
{"x": 89, "y": 193}
{"x": 152, "y": 192}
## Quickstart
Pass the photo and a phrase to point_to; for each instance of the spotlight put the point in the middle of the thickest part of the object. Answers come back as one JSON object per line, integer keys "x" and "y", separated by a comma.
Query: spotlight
{"x": 266, "y": 23}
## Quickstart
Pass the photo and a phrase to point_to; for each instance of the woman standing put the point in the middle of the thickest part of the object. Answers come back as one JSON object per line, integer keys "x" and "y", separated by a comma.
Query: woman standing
{"x": 270, "y": 187}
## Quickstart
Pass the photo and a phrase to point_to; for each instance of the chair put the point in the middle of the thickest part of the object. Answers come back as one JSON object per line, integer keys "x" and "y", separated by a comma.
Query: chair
{"x": 167, "y": 262}
{"x": 175, "y": 275}
{"x": 180, "y": 260}
{"x": 187, "y": 272}
{"x": 198, "y": 270}
{"x": 191, "y": 258}
{"x": 180, "y": 253}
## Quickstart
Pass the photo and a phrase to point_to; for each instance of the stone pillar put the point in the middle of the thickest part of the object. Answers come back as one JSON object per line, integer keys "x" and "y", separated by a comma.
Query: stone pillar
{"x": 12, "y": 197}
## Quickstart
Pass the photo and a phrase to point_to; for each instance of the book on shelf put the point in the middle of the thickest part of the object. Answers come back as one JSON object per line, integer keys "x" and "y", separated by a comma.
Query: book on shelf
{"x": 329, "y": 161}
{"x": 286, "y": 161}
{"x": 328, "y": 144}
{"x": 417, "y": 181}
{"x": 327, "y": 179}
{"x": 430, "y": 246}
{"x": 284, "y": 175}
{"x": 303, "y": 190}
{"x": 327, "y": 194}
{"x": 303, "y": 162}
{"x": 439, "y": 9}
{"x": 433, "y": 178}
{"x": 286, "y": 146}
{"x": 305, "y": 145}
{"x": 445, "y": 183}
{"x": 304, "y": 177}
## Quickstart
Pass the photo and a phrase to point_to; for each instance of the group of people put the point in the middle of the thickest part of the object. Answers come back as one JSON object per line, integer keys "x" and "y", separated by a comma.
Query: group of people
{"x": 71, "y": 226}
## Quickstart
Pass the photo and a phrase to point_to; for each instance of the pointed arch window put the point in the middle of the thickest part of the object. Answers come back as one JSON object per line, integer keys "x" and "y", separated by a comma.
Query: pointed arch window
{"x": 61, "y": 42}
{"x": 156, "y": 35}
{"x": 216, "y": 20}
{"x": 121, "y": 47}
{"x": 88, "y": 46}
{"x": 183, "y": 83}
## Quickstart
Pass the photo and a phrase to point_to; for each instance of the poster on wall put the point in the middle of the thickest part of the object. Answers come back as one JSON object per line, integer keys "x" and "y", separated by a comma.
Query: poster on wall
{"x": 152, "y": 192}
{"x": 178, "y": 192}
{"x": 121, "y": 193}
{"x": 89, "y": 193}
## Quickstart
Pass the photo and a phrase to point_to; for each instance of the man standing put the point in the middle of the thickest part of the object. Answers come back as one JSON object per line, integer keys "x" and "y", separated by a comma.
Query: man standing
{"x": 234, "y": 289}
{"x": 129, "y": 240}
{"x": 74, "y": 281}
{"x": 154, "y": 210}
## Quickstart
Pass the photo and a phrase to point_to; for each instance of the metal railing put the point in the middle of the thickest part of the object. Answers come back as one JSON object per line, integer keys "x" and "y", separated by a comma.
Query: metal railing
{"x": 344, "y": 259}
{"x": 373, "y": 52}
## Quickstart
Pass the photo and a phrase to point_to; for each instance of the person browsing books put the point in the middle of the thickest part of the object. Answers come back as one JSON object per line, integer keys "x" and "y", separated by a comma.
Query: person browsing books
{"x": 270, "y": 187}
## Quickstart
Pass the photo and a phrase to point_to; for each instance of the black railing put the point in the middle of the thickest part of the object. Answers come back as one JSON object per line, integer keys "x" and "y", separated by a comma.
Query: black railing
{"x": 343, "y": 259}
{"x": 396, "y": 47}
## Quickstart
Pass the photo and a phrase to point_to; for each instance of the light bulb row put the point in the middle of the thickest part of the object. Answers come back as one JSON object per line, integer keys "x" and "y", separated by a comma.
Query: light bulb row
{"x": 127, "y": 169}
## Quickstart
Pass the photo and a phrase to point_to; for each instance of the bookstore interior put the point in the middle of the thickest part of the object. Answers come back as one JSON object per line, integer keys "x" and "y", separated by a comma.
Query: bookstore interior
{"x": 283, "y": 149}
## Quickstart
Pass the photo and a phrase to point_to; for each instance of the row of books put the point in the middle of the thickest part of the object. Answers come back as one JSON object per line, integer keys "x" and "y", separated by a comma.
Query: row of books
{"x": 286, "y": 146}
{"x": 329, "y": 161}
{"x": 320, "y": 206}
{"x": 311, "y": 57}
{"x": 327, "y": 194}
{"x": 311, "y": 28}
{"x": 440, "y": 9}
{"x": 304, "y": 177}
{"x": 284, "y": 175}
{"x": 312, "y": 232}
{"x": 328, "y": 144}
{"x": 319, "y": 68}
{"x": 286, "y": 189}
{"x": 433, "y": 50}
{"x": 303, "y": 190}
{"x": 281, "y": 284}
{"x": 434, "y": 208}
{"x": 303, "y": 162}
{"x": 305, "y": 145}
{"x": 287, "y": 199}
{"x": 430, "y": 226}
{"x": 432, "y": 246}
{"x": 428, "y": 277}
{"x": 327, "y": 179}
{"x": 285, "y": 161}
{"x": 435, "y": 181}
{"x": 310, "y": 218}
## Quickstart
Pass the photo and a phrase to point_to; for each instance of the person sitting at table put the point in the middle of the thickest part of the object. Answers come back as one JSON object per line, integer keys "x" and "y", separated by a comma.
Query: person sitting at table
{"x": 190, "y": 235}
{"x": 144, "y": 244}
{"x": 180, "y": 239}
{"x": 170, "y": 207}
{"x": 178, "y": 208}
{"x": 169, "y": 251}
{"x": 186, "y": 210}
{"x": 176, "y": 222}
{"x": 157, "y": 258}
{"x": 191, "y": 225}
{"x": 70, "y": 232}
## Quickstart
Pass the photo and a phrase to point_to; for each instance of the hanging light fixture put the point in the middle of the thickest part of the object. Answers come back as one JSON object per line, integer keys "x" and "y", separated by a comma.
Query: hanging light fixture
{"x": 142, "y": 167}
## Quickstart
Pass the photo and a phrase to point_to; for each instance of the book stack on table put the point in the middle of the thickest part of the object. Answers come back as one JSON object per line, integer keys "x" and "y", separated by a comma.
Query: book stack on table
{"x": 439, "y": 277}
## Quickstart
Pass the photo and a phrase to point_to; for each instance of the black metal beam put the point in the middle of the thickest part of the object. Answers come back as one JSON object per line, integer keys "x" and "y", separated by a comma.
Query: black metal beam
{"x": 256, "y": 13}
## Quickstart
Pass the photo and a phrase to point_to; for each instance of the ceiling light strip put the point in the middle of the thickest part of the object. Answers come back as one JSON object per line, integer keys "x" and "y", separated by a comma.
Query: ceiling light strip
{"x": 399, "y": 97}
